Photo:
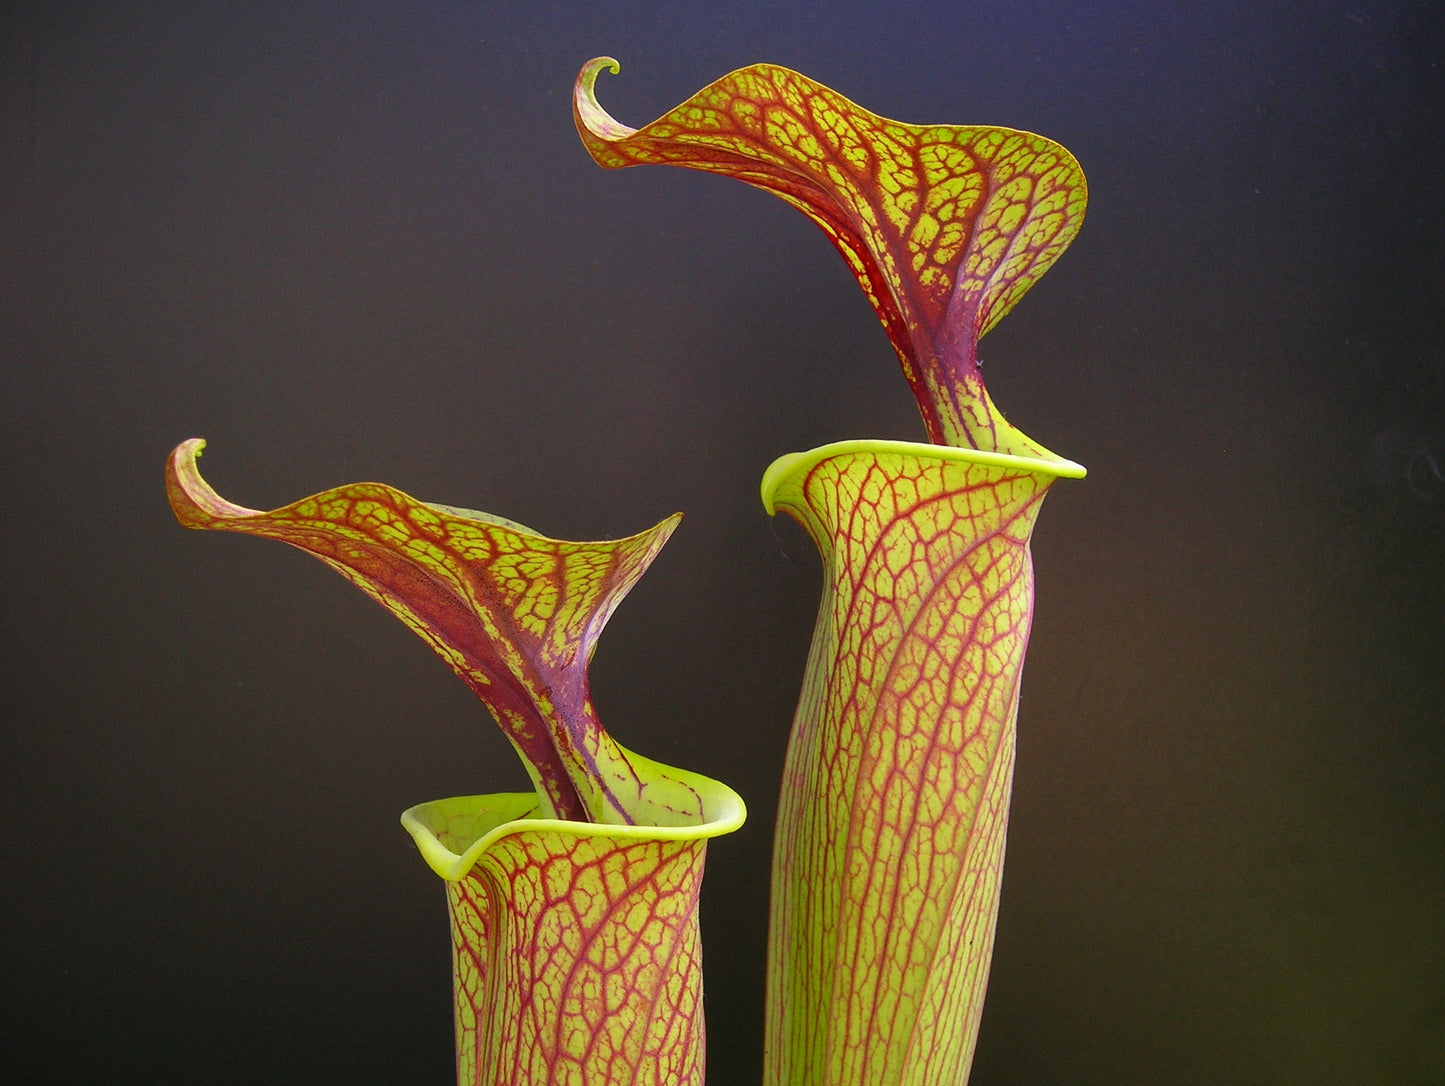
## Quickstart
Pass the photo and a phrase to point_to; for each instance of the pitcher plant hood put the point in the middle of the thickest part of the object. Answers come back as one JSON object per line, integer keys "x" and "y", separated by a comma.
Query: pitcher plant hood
{"x": 945, "y": 227}
{"x": 514, "y": 613}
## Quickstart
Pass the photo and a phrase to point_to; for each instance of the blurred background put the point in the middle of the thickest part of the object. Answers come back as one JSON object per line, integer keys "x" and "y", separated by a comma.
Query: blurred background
{"x": 361, "y": 241}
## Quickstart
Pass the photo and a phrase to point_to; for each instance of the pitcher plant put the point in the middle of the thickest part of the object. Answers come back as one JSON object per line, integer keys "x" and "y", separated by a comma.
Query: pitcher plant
{"x": 574, "y": 906}
{"x": 888, "y": 850}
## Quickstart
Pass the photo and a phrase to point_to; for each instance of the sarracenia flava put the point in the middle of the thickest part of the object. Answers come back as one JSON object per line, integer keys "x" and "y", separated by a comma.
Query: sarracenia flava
{"x": 574, "y": 907}
{"x": 889, "y": 846}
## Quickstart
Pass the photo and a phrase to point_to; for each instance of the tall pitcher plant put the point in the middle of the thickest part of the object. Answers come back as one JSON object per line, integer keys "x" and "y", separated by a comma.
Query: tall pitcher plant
{"x": 889, "y": 844}
{"x": 574, "y": 906}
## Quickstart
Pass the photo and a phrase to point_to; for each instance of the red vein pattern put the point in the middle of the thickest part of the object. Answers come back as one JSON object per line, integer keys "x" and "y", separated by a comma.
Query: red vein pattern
{"x": 513, "y": 613}
{"x": 945, "y": 227}
{"x": 575, "y": 946}
{"x": 890, "y": 837}
{"x": 577, "y": 960}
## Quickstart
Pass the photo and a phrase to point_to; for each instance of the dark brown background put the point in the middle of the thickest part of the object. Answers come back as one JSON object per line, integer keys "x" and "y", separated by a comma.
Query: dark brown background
{"x": 362, "y": 241}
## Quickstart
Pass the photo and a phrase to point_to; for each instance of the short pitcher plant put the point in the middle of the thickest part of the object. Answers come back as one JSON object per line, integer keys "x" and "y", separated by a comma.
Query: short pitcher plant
{"x": 574, "y": 907}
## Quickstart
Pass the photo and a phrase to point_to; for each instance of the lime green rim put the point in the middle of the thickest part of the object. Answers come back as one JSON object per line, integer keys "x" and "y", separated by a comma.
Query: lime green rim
{"x": 729, "y": 812}
{"x": 791, "y": 464}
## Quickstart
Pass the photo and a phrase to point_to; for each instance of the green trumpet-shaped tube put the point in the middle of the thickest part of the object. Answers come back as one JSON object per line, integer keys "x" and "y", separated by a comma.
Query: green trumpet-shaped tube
{"x": 575, "y": 948}
{"x": 889, "y": 845}
{"x": 574, "y": 907}
{"x": 890, "y": 836}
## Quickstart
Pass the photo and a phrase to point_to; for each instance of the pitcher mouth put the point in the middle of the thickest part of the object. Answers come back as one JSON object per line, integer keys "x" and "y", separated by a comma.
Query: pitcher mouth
{"x": 791, "y": 464}
{"x": 452, "y": 834}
